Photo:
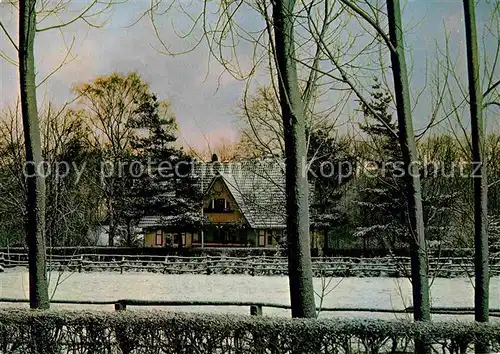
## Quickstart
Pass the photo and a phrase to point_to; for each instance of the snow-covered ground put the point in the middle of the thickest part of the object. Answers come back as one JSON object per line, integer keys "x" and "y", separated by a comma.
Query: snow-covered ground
{"x": 349, "y": 292}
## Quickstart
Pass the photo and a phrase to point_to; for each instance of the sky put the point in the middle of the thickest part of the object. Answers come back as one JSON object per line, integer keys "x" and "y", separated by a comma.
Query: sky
{"x": 203, "y": 102}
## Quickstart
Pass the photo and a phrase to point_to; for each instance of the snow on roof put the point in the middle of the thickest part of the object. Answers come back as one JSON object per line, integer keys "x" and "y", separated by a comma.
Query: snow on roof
{"x": 258, "y": 187}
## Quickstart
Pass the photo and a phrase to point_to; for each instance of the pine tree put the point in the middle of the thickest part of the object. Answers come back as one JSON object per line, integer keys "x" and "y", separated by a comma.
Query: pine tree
{"x": 167, "y": 187}
{"x": 331, "y": 167}
{"x": 381, "y": 200}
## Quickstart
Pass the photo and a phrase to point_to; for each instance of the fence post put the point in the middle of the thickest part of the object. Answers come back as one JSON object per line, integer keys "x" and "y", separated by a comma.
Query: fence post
{"x": 258, "y": 340}
{"x": 256, "y": 310}
{"x": 120, "y": 306}
{"x": 80, "y": 261}
{"x": 121, "y": 332}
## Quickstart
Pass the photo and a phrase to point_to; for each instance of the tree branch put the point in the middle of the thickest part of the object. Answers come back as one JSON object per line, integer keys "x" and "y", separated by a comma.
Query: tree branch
{"x": 368, "y": 19}
{"x": 492, "y": 103}
{"x": 346, "y": 80}
{"x": 80, "y": 16}
{"x": 491, "y": 88}
{"x": 8, "y": 36}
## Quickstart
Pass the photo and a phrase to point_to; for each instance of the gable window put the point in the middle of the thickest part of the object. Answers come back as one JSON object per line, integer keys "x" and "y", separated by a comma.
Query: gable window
{"x": 219, "y": 205}
{"x": 159, "y": 238}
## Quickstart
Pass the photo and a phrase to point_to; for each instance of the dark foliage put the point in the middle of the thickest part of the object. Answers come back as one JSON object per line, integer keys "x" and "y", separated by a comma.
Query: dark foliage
{"x": 158, "y": 179}
{"x": 382, "y": 201}
{"x": 331, "y": 167}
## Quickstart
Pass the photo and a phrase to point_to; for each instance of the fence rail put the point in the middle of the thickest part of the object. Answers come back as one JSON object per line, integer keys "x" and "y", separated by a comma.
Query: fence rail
{"x": 255, "y": 307}
{"x": 252, "y": 265}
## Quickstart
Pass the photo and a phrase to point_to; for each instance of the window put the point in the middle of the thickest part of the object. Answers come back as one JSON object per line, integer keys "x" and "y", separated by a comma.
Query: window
{"x": 225, "y": 237}
{"x": 179, "y": 239}
{"x": 189, "y": 239}
{"x": 262, "y": 238}
{"x": 242, "y": 236}
{"x": 269, "y": 237}
{"x": 159, "y": 238}
{"x": 196, "y": 238}
{"x": 219, "y": 204}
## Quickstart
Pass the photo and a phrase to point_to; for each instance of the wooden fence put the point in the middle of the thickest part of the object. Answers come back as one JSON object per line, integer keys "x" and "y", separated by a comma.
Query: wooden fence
{"x": 252, "y": 265}
{"x": 256, "y": 308}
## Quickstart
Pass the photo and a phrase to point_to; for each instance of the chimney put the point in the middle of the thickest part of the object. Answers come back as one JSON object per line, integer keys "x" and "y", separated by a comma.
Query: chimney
{"x": 214, "y": 158}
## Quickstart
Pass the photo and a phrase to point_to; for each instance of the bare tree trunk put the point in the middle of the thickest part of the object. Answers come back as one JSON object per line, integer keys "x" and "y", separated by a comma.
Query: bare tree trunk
{"x": 299, "y": 245}
{"x": 35, "y": 228}
{"x": 420, "y": 282}
{"x": 481, "y": 297}
{"x": 111, "y": 222}
{"x": 129, "y": 233}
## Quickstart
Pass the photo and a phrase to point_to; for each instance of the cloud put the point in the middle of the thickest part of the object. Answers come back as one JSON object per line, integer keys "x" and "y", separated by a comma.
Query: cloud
{"x": 198, "y": 100}
{"x": 194, "y": 137}
{"x": 204, "y": 105}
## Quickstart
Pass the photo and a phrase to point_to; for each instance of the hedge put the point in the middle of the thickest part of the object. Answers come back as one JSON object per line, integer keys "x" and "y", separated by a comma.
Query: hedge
{"x": 77, "y": 332}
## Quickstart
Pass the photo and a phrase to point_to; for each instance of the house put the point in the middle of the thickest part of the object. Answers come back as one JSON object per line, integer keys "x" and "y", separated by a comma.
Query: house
{"x": 243, "y": 205}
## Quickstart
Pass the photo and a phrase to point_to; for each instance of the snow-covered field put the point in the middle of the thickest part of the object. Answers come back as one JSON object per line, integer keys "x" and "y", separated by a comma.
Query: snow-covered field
{"x": 349, "y": 292}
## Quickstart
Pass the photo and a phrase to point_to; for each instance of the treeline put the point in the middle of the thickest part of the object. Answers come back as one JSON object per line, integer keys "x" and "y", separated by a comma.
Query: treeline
{"x": 101, "y": 166}
{"x": 363, "y": 204}
{"x": 97, "y": 154}
{"x": 358, "y": 180}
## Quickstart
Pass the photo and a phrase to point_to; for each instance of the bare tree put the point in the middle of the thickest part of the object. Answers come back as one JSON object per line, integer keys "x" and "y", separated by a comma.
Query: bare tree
{"x": 393, "y": 41}
{"x": 483, "y": 97}
{"x": 292, "y": 108}
{"x": 12, "y": 181}
{"x": 261, "y": 123}
{"x": 111, "y": 103}
{"x": 481, "y": 298}
{"x": 420, "y": 281}
{"x": 275, "y": 45}
{"x": 31, "y": 15}
{"x": 35, "y": 222}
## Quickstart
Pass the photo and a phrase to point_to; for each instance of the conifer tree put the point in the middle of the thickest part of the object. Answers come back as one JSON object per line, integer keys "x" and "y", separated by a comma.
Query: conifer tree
{"x": 331, "y": 167}
{"x": 381, "y": 200}
{"x": 167, "y": 187}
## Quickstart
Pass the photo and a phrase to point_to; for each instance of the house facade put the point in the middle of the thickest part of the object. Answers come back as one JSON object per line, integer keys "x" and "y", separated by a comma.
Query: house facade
{"x": 243, "y": 206}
